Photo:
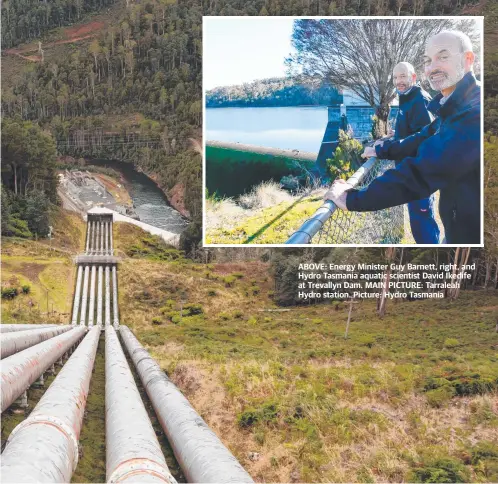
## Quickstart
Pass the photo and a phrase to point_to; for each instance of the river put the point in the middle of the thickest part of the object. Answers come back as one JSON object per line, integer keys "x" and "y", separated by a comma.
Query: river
{"x": 295, "y": 128}
{"x": 151, "y": 205}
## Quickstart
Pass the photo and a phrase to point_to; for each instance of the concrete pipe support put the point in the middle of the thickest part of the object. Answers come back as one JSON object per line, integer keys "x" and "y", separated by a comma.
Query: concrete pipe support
{"x": 12, "y": 343}
{"x": 44, "y": 447}
{"x": 133, "y": 453}
{"x": 115, "y": 297}
{"x": 11, "y": 328}
{"x": 77, "y": 296}
{"x": 19, "y": 371}
{"x": 100, "y": 296}
{"x": 84, "y": 298}
{"x": 91, "y": 308}
{"x": 198, "y": 450}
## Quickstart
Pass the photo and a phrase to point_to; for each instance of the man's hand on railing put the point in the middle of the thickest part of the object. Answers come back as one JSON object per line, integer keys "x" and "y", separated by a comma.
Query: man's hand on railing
{"x": 337, "y": 193}
{"x": 369, "y": 152}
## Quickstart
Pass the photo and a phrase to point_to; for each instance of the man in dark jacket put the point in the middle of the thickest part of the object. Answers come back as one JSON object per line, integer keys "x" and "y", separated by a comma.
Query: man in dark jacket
{"x": 412, "y": 116}
{"x": 444, "y": 156}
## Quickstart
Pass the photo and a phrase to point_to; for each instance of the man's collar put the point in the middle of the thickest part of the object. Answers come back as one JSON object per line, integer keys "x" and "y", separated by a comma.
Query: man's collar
{"x": 456, "y": 97}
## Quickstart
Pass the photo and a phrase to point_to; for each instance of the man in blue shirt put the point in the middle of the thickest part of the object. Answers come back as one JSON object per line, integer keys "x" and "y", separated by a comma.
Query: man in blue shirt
{"x": 445, "y": 155}
{"x": 412, "y": 116}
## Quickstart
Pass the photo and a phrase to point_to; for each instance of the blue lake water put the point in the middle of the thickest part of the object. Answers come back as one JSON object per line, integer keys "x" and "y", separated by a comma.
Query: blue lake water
{"x": 295, "y": 128}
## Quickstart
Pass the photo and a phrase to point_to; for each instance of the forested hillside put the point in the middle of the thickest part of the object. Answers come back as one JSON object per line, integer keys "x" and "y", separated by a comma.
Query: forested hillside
{"x": 23, "y": 20}
{"x": 132, "y": 92}
{"x": 272, "y": 92}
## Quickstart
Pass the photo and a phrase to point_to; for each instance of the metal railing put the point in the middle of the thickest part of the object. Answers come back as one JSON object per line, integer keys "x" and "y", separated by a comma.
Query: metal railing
{"x": 330, "y": 225}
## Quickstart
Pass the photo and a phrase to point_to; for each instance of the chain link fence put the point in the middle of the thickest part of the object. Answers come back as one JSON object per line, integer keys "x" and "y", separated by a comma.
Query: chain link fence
{"x": 331, "y": 225}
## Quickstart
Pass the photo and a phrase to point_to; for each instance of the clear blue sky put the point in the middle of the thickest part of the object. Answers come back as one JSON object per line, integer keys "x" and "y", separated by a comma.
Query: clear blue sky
{"x": 243, "y": 49}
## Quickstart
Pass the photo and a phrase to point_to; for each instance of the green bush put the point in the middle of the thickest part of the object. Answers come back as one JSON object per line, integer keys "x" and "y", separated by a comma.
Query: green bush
{"x": 347, "y": 157}
{"x": 176, "y": 319}
{"x": 267, "y": 413}
{"x": 483, "y": 450}
{"x": 255, "y": 290}
{"x": 157, "y": 321}
{"x": 212, "y": 293}
{"x": 224, "y": 316}
{"x": 26, "y": 289}
{"x": 451, "y": 343}
{"x": 192, "y": 309}
{"x": 238, "y": 314}
{"x": 438, "y": 397}
{"x": 229, "y": 281}
{"x": 440, "y": 470}
{"x": 367, "y": 340}
{"x": 238, "y": 275}
{"x": 9, "y": 292}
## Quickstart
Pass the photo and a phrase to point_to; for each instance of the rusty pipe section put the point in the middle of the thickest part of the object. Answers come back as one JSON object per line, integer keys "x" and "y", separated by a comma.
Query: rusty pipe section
{"x": 11, "y": 328}
{"x": 19, "y": 371}
{"x": 44, "y": 447}
{"x": 133, "y": 453}
{"x": 198, "y": 450}
{"x": 12, "y": 343}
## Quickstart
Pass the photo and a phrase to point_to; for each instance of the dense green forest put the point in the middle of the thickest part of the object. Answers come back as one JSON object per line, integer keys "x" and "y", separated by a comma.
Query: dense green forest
{"x": 24, "y": 20}
{"x": 272, "y": 92}
{"x": 133, "y": 93}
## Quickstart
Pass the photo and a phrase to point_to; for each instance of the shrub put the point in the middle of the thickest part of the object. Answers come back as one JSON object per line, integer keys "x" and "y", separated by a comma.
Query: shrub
{"x": 224, "y": 316}
{"x": 266, "y": 413}
{"x": 9, "y": 292}
{"x": 212, "y": 293}
{"x": 26, "y": 289}
{"x": 157, "y": 321}
{"x": 438, "y": 397}
{"x": 192, "y": 309}
{"x": 238, "y": 314}
{"x": 176, "y": 319}
{"x": 254, "y": 282}
{"x": 451, "y": 343}
{"x": 347, "y": 157}
{"x": 440, "y": 470}
{"x": 252, "y": 321}
{"x": 367, "y": 340}
{"x": 229, "y": 281}
{"x": 238, "y": 275}
{"x": 255, "y": 290}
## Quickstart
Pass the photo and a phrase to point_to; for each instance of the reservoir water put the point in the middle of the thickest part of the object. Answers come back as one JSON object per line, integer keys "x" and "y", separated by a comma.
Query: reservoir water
{"x": 150, "y": 203}
{"x": 296, "y": 128}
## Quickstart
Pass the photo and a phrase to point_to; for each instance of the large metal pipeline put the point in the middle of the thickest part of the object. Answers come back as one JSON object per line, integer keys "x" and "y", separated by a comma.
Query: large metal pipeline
{"x": 76, "y": 300}
{"x": 110, "y": 235}
{"x": 106, "y": 248}
{"x": 92, "y": 236}
{"x": 132, "y": 450}
{"x": 198, "y": 450}
{"x": 10, "y": 328}
{"x": 19, "y": 371}
{"x": 44, "y": 447}
{"x": 102, "y": 238}
{"x": 115, "y": 297}
{"x": 88, "y": 229}
{"x": 84, "y": 297}
{"x": 107, "y": 296}
{"x": 99, "y": 297}
{"x": 12, "y": 343}
{"x": 91, "y": 309}
{"x": 97, "y": 239}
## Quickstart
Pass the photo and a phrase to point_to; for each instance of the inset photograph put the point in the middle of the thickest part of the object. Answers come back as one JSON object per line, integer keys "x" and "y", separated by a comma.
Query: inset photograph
{"x": 333, "y": 131}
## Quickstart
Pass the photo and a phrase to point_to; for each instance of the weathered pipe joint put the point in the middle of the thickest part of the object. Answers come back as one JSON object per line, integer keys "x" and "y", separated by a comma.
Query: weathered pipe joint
{"x": 134, "y": 470}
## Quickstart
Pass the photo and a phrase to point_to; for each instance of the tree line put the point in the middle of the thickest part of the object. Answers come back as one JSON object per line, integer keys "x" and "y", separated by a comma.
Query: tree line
{"x": 273, "y": 92}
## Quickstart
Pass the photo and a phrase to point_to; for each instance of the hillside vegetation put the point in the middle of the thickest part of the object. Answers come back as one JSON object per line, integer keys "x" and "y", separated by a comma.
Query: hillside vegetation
{"x": 411, "y": 397}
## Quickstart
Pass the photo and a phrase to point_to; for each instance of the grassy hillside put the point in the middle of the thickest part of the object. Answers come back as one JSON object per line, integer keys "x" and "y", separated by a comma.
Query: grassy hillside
{"x": 410, "y": 397}
{"x": 47, "y": 270}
